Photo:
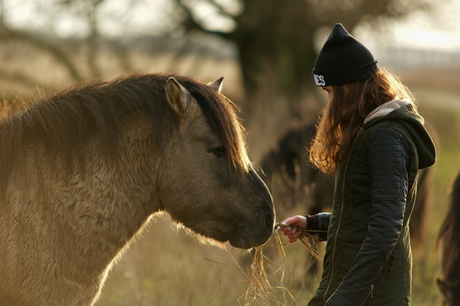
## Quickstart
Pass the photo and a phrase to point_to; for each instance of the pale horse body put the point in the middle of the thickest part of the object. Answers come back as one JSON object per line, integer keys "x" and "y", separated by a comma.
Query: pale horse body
{"x": 80, "y": 183}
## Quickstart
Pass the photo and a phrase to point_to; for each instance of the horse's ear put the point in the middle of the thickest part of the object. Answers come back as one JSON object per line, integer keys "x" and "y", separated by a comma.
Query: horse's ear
{"x": 445, "y": 290}
{"x": 217, "y": 85}
{"x": 178, "y": 97}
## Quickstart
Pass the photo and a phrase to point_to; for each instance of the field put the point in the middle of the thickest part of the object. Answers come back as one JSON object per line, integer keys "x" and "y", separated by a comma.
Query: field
{"x": 166, "y": 267}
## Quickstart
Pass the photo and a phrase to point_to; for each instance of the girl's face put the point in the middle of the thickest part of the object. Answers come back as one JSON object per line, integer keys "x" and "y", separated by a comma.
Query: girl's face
{"x": 330, "y": 93}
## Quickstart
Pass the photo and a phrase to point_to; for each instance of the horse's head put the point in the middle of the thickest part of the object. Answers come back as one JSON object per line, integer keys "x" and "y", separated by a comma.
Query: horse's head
{"x": 208, "y": 184}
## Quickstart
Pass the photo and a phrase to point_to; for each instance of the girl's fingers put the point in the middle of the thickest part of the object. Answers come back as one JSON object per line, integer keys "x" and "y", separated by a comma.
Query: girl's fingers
{"x": 292, "y": 239}
{"x": 289, "y": 231}
{"x": 290, "y": 228}
{"x": 293, "y": 235}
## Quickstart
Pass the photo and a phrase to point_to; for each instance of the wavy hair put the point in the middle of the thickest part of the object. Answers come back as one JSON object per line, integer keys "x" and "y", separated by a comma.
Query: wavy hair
{"x": 344, "y": 116}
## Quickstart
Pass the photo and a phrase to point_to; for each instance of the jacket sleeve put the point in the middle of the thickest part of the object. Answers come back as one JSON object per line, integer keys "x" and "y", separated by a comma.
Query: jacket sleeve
{"x": 387, "y": 157}
{"x": 319, "y": 223}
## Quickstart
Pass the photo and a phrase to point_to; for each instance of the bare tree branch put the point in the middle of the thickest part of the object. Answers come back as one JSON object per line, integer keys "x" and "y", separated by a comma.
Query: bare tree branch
{"x": 191, "y": 23}
{"x": 59, "y": 55}
{"x": 91, "y": 15}
{"x": 220, "y": 9}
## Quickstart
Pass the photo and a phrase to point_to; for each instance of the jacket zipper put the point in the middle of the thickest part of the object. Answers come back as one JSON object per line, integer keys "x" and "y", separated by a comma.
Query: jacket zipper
{"x": 340, "y": 221}
{"x": 369, "y": 295}
{"x": 335, "y": 238}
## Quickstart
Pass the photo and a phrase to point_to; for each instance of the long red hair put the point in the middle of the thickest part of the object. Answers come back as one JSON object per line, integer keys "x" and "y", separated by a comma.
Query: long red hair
{"x": 344, "y": 116}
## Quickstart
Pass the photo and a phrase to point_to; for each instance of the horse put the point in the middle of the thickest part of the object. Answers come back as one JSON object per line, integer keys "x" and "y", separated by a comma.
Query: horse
{"x": 448, "y": 241}
{"x": 84, "y": 171}
{"x": 292, "y": 179}
{"x": 286, "y": 166}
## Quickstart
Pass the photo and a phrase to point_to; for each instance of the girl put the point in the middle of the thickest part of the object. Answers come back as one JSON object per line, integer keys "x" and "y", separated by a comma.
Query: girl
{"x": 372, "y": 138}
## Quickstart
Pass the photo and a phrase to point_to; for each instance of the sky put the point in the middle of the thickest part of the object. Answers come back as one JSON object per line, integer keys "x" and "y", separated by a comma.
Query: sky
{"x": 439, "y": 32}
{"x": 147, "y": 16}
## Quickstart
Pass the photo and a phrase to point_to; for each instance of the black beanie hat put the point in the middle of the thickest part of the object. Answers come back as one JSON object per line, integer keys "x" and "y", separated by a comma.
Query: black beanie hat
{"x": 343, "y": 60}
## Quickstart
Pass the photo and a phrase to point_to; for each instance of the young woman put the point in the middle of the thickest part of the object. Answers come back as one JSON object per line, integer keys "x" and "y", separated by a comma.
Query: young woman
{"x": 372, "y": 138}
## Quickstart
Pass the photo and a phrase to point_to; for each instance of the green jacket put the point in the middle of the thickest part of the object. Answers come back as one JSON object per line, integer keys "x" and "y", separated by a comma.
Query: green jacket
{"x": 368, "y": 256}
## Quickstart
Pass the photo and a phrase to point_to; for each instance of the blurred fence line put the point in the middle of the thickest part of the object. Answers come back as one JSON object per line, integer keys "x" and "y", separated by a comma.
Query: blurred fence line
{"x": 207, "y": 57}
{"x": 403, "y": 57}
{"x": 24, "y": 67}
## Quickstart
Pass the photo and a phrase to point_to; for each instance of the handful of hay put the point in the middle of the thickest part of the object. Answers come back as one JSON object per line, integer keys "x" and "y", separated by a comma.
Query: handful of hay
{"x": 308, "y": 237}
{"x": 259, "y": 285}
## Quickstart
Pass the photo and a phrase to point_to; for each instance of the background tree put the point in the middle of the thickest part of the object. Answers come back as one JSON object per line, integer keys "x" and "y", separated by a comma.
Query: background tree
{"x": 276, "y": 37}
{"x": 45, "y": 40}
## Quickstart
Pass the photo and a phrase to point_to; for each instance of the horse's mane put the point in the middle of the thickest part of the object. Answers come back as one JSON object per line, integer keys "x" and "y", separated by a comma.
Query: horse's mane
{"x": 68, "y": 119}
{"x": 449, "y": 237}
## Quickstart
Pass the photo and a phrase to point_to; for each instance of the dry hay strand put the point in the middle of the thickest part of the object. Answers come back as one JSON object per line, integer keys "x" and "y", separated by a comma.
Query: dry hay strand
{"x": 309, "y": 239}
{"x": 259, "y": 290}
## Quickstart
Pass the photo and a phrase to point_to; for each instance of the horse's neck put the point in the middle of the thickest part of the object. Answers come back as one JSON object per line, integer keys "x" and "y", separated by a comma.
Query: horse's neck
{"x": 64, "y": 227}
{"x": 109, "y": 204}
{"x": 82, "y": 220}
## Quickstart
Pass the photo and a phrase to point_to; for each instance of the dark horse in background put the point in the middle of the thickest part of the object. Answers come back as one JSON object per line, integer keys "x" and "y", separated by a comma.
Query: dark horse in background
{"x": 292, "y": 180}
{"x": 449, "y": 244}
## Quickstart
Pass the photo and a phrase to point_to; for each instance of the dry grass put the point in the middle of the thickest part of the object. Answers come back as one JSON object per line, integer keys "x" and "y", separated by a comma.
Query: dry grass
{"x": 260, "y": 291}
{"x": 309, "y": 239}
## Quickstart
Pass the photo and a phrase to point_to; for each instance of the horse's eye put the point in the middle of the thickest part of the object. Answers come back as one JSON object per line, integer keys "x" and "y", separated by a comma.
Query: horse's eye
{"x": 219, "y": 152}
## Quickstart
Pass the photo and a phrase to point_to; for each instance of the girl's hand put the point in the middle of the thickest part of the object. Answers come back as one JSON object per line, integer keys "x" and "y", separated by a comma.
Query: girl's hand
{"x": 292, "y": 229}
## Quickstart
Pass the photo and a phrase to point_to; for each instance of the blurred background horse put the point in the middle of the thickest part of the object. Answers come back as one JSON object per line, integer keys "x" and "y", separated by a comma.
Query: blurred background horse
{"x": 449, "y": 246}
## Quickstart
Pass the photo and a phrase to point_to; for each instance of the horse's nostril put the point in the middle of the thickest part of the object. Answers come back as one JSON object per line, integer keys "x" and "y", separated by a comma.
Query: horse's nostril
{"x": 268, "y": 221}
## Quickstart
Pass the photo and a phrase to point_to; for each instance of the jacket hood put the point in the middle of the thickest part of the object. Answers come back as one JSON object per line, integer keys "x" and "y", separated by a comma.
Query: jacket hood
{"x": 402, "y": 112}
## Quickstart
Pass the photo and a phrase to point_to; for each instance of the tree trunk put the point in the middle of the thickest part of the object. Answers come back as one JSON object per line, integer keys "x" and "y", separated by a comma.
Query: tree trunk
{"x": 277, "y": 47}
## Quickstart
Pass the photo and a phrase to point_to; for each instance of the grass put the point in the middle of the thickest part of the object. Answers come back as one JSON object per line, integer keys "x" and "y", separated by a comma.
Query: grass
{"x": 447, "y": 166}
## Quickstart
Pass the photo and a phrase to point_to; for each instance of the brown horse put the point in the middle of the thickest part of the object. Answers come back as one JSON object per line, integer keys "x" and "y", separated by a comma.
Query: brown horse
{"x": 449, "y": 244}
{"x": 289, "y": 165}
{"x": 83, "y": 171}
